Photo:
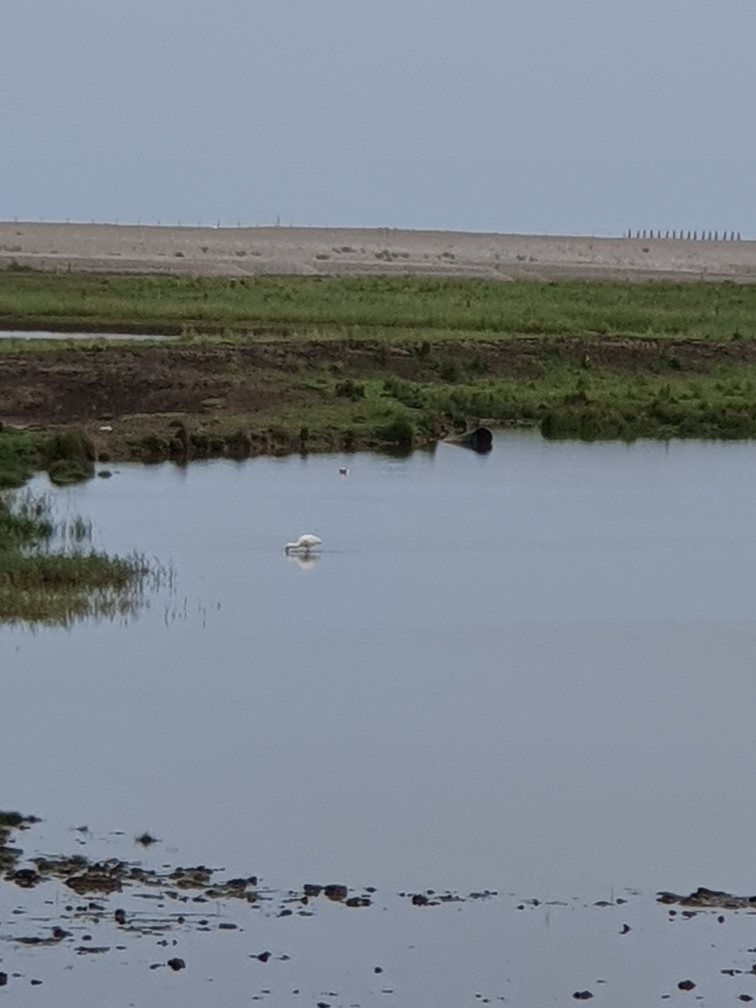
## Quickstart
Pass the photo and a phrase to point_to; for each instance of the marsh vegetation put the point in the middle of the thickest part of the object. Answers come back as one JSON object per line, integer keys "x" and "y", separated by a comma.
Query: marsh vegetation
{"x": 48, "y": 572}
{"x": 300, "y": 364}
{"x": 395, "y": 309}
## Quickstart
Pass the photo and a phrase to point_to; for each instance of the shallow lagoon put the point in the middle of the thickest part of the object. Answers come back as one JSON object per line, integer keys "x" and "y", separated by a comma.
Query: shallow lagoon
{"x": 530, "y": 672}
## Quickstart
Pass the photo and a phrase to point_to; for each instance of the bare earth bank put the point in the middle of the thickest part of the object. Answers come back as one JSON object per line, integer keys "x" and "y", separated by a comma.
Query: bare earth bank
{"x": 118, "y": 248}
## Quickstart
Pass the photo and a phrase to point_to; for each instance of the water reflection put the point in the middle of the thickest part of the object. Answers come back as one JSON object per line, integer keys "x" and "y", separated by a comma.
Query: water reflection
{"x": 305, "y": 561}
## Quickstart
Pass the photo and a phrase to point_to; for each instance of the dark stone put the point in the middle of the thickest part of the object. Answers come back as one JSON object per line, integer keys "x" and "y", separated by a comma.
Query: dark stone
{"x": 3, "y": 979}
{"x": 686, "y": 985}
{"x": 177, "y": 964}
{"x": 263, "y": 957}
{"x": 26, "y": 878}
{"x": 625, "y": 929}
{"x": 335, "y": 892}
{"x": 419, "y": 900}
{"x": 479, "y": 440}
{"x": 120, "y": 916}
{"x": 227, "y": 926}
{"x": 312, "y": 890}
{"x": 582, "y": 995}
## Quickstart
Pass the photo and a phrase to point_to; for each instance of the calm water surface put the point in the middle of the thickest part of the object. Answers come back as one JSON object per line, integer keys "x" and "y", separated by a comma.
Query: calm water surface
{"x": 532, "y": 671}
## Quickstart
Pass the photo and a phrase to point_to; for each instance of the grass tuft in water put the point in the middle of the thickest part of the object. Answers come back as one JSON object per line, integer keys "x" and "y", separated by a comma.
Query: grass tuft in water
{"x": 39, "y": 585}
{"x": 69, "y": 458}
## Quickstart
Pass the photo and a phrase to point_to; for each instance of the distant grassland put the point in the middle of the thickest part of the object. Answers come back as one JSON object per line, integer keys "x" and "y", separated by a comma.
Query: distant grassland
{"x": 393, "y": 309}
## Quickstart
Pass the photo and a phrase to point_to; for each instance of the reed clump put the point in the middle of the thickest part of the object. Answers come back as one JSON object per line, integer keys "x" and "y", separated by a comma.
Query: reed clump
{"x": 42, "y": 584}
{"x": 58, "y": 588}
{"x": 67, "y": 457}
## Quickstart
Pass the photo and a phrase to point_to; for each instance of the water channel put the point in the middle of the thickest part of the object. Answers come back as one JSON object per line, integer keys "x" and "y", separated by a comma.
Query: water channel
{"x": 531, "y": 672}
{"x": 44, "y": 334}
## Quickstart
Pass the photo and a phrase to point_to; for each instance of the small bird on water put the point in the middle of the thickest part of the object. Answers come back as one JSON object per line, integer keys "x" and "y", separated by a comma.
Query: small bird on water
{"x": 304, "y": 545}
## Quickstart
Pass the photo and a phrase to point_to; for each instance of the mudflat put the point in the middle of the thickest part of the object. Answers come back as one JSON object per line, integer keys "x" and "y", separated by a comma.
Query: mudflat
{"x": 294, "y": 251}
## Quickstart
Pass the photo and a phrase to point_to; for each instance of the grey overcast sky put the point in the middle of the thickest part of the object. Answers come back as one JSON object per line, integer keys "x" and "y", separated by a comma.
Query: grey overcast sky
{"x": 560, "y": 116}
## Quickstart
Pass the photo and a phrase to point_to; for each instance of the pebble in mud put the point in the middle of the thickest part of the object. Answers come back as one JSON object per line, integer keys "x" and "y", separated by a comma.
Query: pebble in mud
{"x": 146, "y": 839}
{"x": 744, "y": 997}
{"x": 25, "y": 878}
{"x": 686, "y": 985}
{"x": 3, "y": 979}
{"x": 584, "y": 995}
{"x": 177, "y": 964}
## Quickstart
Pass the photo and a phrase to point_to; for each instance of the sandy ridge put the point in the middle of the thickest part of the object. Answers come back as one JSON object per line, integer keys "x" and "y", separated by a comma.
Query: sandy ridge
{"x": 203, "y": 251}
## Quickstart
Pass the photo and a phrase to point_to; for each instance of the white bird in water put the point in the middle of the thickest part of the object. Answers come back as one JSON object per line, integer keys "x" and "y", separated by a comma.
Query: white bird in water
{"x": 304, "y": 545}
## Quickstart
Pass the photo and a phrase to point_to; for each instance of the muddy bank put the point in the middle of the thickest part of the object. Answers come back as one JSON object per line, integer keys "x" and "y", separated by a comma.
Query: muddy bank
{"x": 71, "y": 910}
{"x": 186, "y": 402}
